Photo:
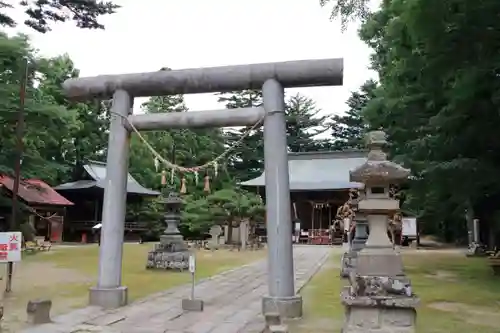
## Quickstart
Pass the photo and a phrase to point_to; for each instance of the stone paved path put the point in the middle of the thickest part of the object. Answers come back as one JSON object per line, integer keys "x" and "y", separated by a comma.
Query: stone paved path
{"x": 232, "y": 304}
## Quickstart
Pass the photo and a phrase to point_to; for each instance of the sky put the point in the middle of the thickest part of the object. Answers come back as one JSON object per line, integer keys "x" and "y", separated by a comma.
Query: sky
{"x": 147, "y": 35}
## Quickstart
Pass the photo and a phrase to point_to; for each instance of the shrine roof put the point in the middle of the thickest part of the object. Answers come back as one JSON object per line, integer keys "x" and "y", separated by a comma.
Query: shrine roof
{"x": 97, "y": 173}
{"x": 35, "y": 192}
{"x": 319, "y": 171}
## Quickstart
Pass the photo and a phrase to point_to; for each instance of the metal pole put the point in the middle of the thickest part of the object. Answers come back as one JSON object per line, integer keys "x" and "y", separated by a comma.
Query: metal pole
{"x": 109, "y": 293}
{"x": 476, "y": 231}
{"x": 192, "y": 285}
{"x": 17, "y": 167}
{"x": 279, "y": 226}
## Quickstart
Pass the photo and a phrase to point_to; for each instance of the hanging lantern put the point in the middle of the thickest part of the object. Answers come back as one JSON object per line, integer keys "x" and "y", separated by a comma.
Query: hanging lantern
{"x": 183, "y": 185}
{"x": 206, "y": 186}
{"x": 163, "y": 178}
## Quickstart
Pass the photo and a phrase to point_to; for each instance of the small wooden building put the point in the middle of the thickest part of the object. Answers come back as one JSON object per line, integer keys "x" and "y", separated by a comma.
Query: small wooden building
{"x": 87, "y": 192}
{"x": 44, "y": 206}
{"x": 319, "y": 184}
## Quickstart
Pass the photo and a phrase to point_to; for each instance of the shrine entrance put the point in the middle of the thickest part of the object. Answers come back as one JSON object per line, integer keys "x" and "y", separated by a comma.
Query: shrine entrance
{"x": 272, "y": 78}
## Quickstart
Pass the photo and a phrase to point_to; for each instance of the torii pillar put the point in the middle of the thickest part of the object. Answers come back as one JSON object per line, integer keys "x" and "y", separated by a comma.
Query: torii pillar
{"x": 272, "y": 78}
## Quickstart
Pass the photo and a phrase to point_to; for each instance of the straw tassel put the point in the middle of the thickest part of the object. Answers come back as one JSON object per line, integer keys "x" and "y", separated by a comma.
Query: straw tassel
{"x": 183, "y": 185}
{"x": 163, "y": 178}
{"x": 206, "y": 186}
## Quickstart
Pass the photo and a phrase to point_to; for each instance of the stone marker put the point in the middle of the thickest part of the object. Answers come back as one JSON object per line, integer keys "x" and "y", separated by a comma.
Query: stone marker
{"x": 215, "y": 232}
{"x": 244, "y": 226}
{"x": 380, "y": 298}
{"x": 39, "y": 311}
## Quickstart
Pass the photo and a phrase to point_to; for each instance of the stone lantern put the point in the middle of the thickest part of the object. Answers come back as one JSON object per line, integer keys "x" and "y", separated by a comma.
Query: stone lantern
{"x": 380, "y": 298}
{"x": 171, "y": 252}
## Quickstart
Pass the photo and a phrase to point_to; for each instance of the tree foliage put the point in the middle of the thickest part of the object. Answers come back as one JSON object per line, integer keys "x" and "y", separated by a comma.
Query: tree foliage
{"x": 348, "y": 10}
{"x": 304, "y": 125}
{"x": 40, "y": 14}
{"x": 438, "y": 100}
{"x": 348, "y": 130}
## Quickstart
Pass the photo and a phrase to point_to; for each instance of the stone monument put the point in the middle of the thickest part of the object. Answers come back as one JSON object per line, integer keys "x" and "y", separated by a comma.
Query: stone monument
{"x": 379, "y": 298}
{"x": 171, "y": 252}
{"x": 215, "y": 232}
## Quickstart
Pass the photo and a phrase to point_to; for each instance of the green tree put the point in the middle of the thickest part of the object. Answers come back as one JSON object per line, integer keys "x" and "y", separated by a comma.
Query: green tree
{"x": 304, "y": 125}
{"x": 48, "y": 125}
{"x": 87, "y": 140}
{"x": 189, "y": 148}
{"x": 247, "y": 160}
{"x": 348, "y": 130}
{"x": 438, "y": 101}
{"x": 41, "y": 13}
{"x": 348, "y": 10}
{"x": 231, "y": 206}
{"x": 186, "y": 148}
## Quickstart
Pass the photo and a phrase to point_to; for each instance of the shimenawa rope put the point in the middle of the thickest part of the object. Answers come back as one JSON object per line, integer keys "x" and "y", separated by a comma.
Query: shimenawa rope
{"x": 174, "y": 166}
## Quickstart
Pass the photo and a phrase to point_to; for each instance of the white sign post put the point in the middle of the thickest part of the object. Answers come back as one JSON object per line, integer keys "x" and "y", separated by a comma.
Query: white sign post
{"x": 192, "y": 304}
{"x": 10, "y": 246}
{"x": 192, "y": 270}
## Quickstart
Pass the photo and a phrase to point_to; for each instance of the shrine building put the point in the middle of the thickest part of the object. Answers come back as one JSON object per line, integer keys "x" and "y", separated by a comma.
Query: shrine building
{"x": 87, "y": 194}
{"x": 319, "y": 185}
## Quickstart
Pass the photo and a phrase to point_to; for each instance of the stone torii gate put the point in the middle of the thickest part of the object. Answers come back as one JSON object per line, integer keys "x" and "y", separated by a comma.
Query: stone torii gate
{"x": 272, "y": 78}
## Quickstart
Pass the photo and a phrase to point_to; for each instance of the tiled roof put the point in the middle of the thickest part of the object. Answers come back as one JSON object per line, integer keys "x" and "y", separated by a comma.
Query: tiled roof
{"x": 316, "y": 171}
{"x": 35, "y": 191}
{"x": 97, "y": 171}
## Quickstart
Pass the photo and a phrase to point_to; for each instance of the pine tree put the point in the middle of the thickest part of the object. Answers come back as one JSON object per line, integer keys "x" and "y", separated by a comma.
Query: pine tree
{"x": 348, "y": 130}
{"x": 40, "y": 13}
{"x": 247, "y": 160}
{"x": 304, "y": 124}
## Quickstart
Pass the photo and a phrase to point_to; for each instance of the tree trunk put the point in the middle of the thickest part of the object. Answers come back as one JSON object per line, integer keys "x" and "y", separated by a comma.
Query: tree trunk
{"x": 230, "y": 233}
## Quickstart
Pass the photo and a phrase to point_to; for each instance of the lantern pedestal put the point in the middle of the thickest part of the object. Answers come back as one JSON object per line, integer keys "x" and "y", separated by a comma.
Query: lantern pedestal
{"x": 372, "y": 314}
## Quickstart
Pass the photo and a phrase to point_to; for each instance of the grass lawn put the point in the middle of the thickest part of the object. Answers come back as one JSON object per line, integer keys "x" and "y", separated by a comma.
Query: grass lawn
{"x": 64, "y": 275}
{"x": 457, "y": 294}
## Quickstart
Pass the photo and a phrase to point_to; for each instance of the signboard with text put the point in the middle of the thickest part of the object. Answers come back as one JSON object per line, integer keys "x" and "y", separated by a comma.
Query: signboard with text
{"x": 192, "y": 264}
{"x": 10, "y": 246}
